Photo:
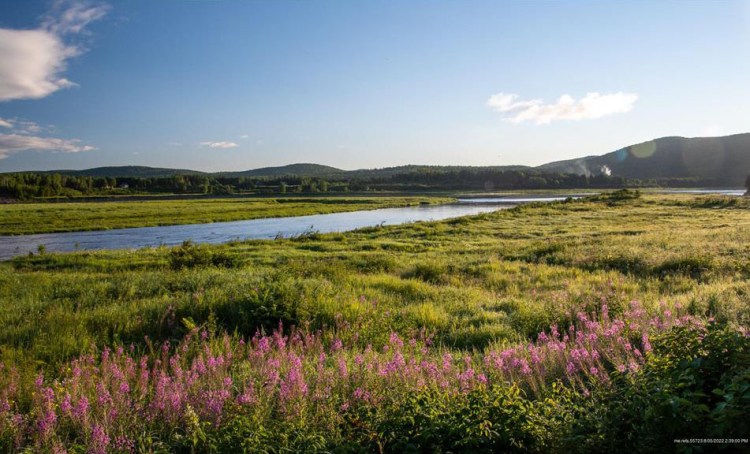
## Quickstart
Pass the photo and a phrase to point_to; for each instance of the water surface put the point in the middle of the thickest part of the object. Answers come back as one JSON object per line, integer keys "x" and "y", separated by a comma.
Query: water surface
{"x": 222, "y": 232}
{"x": 731, "y": 192}
{"x": 518, "y": 200}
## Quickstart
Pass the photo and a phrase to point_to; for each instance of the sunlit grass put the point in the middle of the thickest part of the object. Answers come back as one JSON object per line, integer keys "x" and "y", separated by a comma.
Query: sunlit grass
{"x": 471, "y": 285}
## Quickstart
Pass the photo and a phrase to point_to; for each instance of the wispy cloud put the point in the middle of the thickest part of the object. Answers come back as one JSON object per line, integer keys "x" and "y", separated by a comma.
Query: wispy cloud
{"x": 72, "y": 16}
{"x": 244, "y": 136}
{"x": 32, "y": 62}
{"x": 13, "y": 143}
{"x": 23, "y": 126}
{"x": 24, "y": 136}
{"x": 593, "y": 105}
{"x": 219, "y": 144}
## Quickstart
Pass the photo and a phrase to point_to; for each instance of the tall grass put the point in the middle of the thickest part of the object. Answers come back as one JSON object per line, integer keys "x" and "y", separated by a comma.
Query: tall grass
{"x": 504, "y": 331}
{"x": 182, "y": 394}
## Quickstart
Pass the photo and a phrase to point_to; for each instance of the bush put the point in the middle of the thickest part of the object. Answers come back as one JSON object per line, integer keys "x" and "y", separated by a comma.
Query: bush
{"x": 695, "y": 384}
{"x": 374, "y": 263}
{"x": 484, "y": 420}
{"x": 695, "y": 267}
{"x": 613, "y": 198}
{"x": 191, "y": 255}
{"x": 549, "y": 253}
{"x": 430, "y": 272}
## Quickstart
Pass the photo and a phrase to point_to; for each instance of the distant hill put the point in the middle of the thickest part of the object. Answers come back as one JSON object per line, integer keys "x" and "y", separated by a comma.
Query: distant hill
{"x": 127, "y": 171}
{"x": 724, "y": 160}
{"x": 716, "y": 161}
{"x": 386, "y": 172}
{"x": 302, "y": 169}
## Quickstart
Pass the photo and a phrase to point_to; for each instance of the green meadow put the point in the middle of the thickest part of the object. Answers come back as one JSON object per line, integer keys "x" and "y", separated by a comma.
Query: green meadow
{"x": 472, "y": 281}
{"x": 472, "y": 286}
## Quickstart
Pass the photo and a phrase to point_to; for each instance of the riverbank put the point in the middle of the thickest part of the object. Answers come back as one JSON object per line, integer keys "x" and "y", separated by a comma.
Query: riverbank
{"x": 32, "y": 218}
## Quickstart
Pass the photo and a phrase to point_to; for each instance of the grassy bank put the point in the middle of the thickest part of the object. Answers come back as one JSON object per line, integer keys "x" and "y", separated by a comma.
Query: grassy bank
{"x": 529, "y": 329}
{"x": 27, "y": 218}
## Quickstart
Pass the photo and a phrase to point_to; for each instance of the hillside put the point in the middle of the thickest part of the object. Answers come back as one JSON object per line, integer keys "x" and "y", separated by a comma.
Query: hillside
{"x": 724, "y": 160}
{"x": 127, "y": 172}
{"x": 387, "y": 172}
{"x": 301, "y": 169}
{"x": 713, "y": 161}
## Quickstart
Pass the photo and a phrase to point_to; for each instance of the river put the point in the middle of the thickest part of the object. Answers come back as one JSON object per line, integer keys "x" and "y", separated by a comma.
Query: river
{"x": 267, "y": 228}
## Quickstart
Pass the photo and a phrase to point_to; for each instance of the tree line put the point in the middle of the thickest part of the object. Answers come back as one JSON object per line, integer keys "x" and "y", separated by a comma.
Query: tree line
{"x": 29, "y": 185}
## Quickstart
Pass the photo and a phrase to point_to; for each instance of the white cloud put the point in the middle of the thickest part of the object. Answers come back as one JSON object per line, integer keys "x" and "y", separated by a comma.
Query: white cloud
{"x": 13, "y": 143}
{"x": 593, "y": 105}
{"x": 244, "y": 136}
{"x": 32, "y": 61}
{"x": 23, "y": 126}
{"x": 219, "y": 144}
{"x": 72, "y": 16}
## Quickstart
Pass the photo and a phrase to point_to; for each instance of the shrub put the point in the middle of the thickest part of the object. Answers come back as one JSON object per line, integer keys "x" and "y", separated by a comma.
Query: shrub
{"x": 695, "y": 384}
{"x": 695, "y": 267}
{"x": 549, "y": 253}
{"x": 430, "y": 272}
{"x": 191, "y": 255}
{"x": 374, "y": 263}
{"x": 310, "y": 390}
{"x": 616, "y": 197}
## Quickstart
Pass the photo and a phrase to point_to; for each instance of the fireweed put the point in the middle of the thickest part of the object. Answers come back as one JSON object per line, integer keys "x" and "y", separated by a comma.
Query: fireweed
{"x": 105, "y": 402}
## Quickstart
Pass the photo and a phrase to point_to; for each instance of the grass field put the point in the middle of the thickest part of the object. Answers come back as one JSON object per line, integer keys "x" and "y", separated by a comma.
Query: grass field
{"x": 27, "y": 218}
{"x": 615, "y": 324}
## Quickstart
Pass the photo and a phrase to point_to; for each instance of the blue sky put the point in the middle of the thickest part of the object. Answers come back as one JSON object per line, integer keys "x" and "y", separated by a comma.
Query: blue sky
{"x": 233, "y": 85}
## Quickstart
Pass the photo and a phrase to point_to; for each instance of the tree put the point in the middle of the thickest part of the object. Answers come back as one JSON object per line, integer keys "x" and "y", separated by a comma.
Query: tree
{"x": 747, "y": 185}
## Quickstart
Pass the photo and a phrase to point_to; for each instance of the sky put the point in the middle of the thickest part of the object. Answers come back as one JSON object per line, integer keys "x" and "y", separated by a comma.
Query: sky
{"x": 236, "y": 85}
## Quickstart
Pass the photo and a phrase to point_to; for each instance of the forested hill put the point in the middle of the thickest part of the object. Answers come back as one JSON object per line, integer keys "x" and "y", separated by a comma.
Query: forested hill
{"x": 723, "y": 160}
{"x": 126, "y": 172}
{"x": 401, "y": 171}
{"x": 303, "y": 169}
{"x": 666, "y": 162}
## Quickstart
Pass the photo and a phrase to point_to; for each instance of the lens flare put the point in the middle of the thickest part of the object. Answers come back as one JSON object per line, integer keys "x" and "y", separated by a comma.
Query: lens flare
{"x": 643, "y": 150}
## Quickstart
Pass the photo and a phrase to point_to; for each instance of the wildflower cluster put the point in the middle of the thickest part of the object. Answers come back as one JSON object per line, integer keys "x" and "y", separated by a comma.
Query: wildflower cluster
{"x": 106, "y": 402}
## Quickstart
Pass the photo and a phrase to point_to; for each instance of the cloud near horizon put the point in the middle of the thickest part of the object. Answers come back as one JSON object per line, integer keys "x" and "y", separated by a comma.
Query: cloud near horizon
{"x": 219, "y": 144}
{"x": 22, "y": 137}
{"x": 13, "y": 143}
{"x": 593, "y": 105}
{"x": 32, "y": 61}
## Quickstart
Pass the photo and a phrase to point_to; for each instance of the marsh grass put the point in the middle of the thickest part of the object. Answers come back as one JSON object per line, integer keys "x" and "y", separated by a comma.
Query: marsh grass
{"x": 503, "y": 274}
{"x": 473, "y": 285}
